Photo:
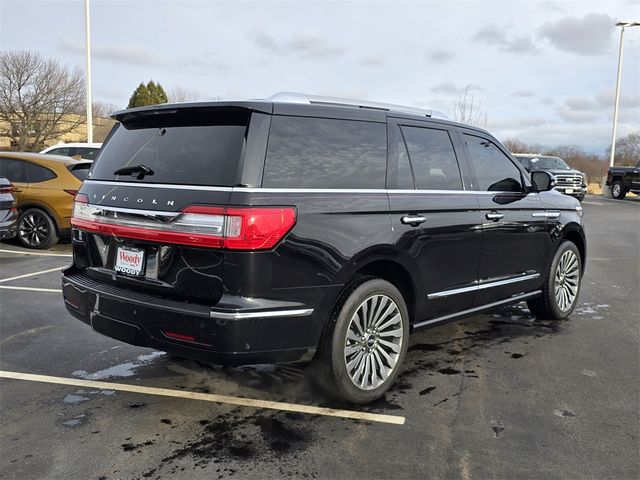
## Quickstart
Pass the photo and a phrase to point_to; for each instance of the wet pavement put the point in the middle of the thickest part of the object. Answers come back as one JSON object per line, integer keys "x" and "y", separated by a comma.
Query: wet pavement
{"x": 498, "y": 395}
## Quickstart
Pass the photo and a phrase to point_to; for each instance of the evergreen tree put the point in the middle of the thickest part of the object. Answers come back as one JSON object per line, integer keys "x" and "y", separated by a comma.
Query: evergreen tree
{"x": 150, "y": 94}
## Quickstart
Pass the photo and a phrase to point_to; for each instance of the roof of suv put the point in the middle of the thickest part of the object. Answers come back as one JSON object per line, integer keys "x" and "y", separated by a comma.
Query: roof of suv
{"x": 294, "y": 104}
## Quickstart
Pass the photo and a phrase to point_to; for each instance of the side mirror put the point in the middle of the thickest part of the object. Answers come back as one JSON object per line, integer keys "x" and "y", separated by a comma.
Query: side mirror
{"x": 542, "y": 181}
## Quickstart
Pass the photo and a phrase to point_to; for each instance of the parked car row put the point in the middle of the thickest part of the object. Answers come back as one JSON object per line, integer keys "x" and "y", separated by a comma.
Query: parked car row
{"x": 44, "y": 186}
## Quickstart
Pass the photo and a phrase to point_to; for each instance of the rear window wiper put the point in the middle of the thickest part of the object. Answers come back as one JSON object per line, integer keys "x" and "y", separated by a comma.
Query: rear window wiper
{"x": 141, "y": 170}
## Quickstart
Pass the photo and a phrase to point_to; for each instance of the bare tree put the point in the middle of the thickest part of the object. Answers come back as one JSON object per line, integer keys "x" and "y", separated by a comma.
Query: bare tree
{"x": 180, "y": 94}
{"x": 467, "y": 110}
{"x": 103, "y": 109}
{"x": 627, "y": 149}
{"x": 40, "y": 99}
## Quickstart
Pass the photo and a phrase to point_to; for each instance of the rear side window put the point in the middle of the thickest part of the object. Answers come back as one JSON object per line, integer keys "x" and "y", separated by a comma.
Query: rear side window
{"x": 37, "y": 174}
{"x": 494, "y": 171}
{"x": 189, "y": 147}
{"x": 308, "y": 152}
{"x": 434, "y": 162}
{"x": 80, "y": 171}
{"x": 13, "y": 170}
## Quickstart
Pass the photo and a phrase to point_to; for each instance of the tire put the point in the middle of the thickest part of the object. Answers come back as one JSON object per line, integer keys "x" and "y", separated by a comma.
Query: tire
{"x": 562, "y": 285}
{"x": 580, "y": 198}
{"x": 360, "y": 371}
{"x": 617, "y": 190}
{"x": 36, "y": 229}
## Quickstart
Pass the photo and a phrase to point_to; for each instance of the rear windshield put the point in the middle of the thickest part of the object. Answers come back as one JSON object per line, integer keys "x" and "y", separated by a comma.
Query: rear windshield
{"x": 197, "y": 147}
{"x": 80, "y": 171}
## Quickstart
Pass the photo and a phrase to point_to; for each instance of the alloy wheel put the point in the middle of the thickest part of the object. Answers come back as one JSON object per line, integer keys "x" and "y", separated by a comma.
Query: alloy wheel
{"x": 34, "y": 229}
{"x": 374, "y": 342}
{"x": 616, "y": 189}
{"x": 567, "y": 280}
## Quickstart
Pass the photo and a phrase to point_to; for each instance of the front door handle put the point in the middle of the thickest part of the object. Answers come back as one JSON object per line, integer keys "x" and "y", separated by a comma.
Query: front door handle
{"x": 413, "y": 220}
{"x": 494, "y": 216}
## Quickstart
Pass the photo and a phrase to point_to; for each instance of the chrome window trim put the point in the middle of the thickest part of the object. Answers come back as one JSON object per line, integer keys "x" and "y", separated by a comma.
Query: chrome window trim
{"x": 290, "y": 190}
{"x": 482, "y": 286}
{"x": 514, "y": 299}
{"x": 303, "y": 312}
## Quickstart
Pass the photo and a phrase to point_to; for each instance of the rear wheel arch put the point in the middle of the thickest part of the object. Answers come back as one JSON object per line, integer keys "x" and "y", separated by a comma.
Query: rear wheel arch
{"x": 23, "y": 207}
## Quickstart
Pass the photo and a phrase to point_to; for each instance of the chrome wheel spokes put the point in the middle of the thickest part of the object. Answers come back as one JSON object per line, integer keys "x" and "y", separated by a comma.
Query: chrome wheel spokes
{"x": 567, "y": 280}
{"x": 374, "y": 342}
{"x": 34, "y": 230}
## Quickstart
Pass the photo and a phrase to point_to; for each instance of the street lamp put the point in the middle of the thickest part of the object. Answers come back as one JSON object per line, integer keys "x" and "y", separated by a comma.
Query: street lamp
{"x": 88, "y": 76}
{"x": 623, "y": 25}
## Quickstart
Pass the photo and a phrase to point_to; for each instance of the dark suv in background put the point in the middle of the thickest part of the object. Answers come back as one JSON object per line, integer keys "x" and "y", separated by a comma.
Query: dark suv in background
{"x": 304, "y": 228}
{"x": 567, "y": 180}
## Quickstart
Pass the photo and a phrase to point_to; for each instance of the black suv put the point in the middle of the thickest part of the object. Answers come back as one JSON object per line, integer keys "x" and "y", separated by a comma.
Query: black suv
{"x": 311, "y": 229}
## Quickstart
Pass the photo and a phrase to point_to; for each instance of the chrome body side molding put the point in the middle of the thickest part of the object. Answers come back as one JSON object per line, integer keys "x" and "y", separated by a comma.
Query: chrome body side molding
{"x": 514, "y": 299}
{"x": 483, "y": 285}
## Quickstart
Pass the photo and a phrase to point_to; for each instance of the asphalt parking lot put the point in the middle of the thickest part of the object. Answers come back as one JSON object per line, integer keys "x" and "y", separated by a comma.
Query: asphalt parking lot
{"x": 499, "y": 395}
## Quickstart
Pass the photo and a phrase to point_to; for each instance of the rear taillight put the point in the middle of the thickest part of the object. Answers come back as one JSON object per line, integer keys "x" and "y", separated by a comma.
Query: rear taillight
{"x": 6, "y": 189}
{"x": 234, "y": 228}
{"x": 70, "y": 191}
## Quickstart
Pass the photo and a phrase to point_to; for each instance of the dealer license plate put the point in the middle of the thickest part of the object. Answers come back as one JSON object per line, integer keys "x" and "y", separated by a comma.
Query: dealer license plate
{"x": 129, "y": 261}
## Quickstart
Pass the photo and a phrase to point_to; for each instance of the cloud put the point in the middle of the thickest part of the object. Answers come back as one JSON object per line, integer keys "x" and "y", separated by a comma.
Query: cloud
{"x": 440, "y": 56}
{"x": 450, "y": 88}
{"x": 522, "y": 94}
{"x": 371, "y": 61}
{"x": 128, "y": 54}
{"x": 495, "y": 35}
{"x": 589, "y": 35}
{"x": 598, "y": 107}
{"x": 304, "y": 45}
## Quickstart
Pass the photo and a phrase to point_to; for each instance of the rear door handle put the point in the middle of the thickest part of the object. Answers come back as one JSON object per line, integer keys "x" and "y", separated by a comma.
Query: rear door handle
{"x": 413, "y": 219}
{"x": 494, "y": 216}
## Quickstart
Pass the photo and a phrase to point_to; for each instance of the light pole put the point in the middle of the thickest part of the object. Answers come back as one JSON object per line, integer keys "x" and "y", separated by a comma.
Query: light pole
{"x": 87, "y": 30}
{"x": 617, "y": 99}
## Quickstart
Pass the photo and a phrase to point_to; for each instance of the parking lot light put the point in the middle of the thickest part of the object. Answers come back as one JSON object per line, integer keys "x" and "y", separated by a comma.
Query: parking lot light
{"x": 623, "y": 25}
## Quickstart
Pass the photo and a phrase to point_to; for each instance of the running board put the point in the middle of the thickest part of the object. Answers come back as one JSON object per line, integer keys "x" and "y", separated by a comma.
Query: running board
{"x": 515, "y": 299}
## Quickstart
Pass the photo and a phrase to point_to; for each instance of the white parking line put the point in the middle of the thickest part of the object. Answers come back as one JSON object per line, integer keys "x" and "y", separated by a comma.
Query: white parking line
{"x": 31, "y": 274}
{"x": 209, "y": 397}
{"x": 32, "y": 289}
{"x": 36, "y": 253}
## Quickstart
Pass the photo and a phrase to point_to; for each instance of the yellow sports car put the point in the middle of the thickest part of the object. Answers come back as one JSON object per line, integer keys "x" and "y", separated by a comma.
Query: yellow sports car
{"x": 44, "y": 186}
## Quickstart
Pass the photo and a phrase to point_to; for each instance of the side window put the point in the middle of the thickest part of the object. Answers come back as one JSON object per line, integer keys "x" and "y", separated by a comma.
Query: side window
{"x": 36, "y": 173}
{"x": 14, "y": 170}
{"x": 400, "y": 174}
{"x": 88, "y": 153}
{"x": 308, "y": 152}
{"x": 61, "y": 151}
{"x": 494, "y": 171}
{"x": 433, "y": 159}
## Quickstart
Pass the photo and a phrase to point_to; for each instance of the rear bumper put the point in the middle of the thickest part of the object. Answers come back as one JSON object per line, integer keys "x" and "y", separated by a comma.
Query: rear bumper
{"x": 237, "y": 331}
{"x": 8, "y": 229}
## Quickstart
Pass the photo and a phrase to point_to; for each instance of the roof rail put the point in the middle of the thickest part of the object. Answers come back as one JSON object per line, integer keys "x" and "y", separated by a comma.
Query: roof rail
{"x": 305, "y": 99}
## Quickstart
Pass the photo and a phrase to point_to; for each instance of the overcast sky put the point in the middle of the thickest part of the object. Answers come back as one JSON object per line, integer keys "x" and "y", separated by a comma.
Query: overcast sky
{"x": 544, "y": 71}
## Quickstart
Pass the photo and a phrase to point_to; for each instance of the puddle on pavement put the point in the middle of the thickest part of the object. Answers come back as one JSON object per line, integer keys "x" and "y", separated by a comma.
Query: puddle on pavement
{"x": 127, "y": 369}
{"x": 238, "y": 444}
